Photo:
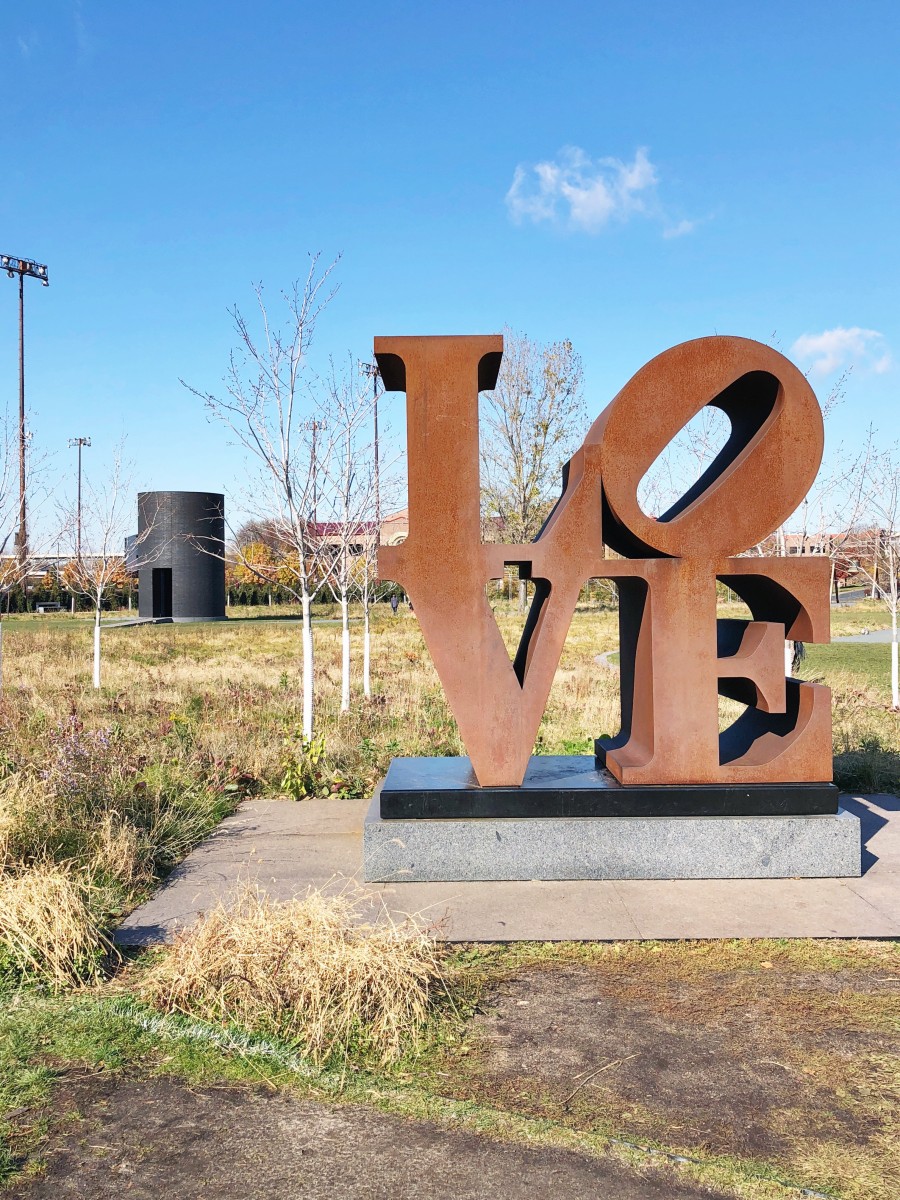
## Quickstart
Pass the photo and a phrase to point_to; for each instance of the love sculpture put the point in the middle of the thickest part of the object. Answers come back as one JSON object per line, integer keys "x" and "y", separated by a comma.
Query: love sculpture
{"x": 669, "y": 797}
{"x": 676, "y": 657}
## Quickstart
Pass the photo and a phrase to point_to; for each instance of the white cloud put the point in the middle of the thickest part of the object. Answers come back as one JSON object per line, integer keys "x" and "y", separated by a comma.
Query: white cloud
{"x": 840, "y": 348}
{"x": 588, "y": 193}
{"x": 26, "y": 43}
{"x": 680, "y": 228}
{"x": 882, "y": 364}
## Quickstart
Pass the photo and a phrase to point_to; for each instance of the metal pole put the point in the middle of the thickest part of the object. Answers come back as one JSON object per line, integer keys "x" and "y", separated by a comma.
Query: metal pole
{"x": 78, "y": 530}
{"x": 13, "y": 265}
{"x": 22, "y": 537}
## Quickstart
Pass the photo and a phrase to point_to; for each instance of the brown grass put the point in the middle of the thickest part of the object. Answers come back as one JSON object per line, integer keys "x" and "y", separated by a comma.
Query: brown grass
{"x": 307, "y": 970}
{"x": 47, "y": 929}
{"x": 121, "y": 783}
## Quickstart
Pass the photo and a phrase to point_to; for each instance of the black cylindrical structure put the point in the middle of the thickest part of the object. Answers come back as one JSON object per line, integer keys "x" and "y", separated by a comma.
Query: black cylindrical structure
{"x": 179, "y": 554}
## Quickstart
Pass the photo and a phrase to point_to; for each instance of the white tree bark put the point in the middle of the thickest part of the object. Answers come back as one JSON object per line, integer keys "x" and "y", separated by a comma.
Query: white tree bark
{"x": 894, "y": 604}
{"x": 367, "y": 650}
{"x": 307, "y": 641}
{"x": 97, "y": 650}
{"x": 345, "y": 654}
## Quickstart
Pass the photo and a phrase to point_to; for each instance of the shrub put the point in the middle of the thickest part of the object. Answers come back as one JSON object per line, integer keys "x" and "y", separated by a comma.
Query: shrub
{"x": 307, "y": 970}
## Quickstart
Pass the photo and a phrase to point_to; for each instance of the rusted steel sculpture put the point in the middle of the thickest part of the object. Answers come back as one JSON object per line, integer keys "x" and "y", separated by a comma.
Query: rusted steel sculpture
{"x": 675, "y": 655}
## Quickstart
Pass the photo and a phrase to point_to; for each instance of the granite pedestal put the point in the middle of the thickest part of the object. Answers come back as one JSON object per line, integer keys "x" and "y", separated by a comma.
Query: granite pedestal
{"x": 458, "y": 832}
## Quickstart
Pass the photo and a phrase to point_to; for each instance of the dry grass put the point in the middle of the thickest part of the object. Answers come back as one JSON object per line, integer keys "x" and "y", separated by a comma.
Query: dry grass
{"x": 121, "y": 783}
{"x": 307, "y": 970}
{"x": 47, "y": 928}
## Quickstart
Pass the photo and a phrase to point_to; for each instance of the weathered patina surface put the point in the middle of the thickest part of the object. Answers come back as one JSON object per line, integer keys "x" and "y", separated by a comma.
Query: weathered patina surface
{"x": 675, "y": 656}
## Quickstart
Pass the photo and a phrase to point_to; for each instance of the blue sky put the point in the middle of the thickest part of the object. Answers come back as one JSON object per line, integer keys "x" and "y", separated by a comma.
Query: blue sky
{"x": 628, "y": 175}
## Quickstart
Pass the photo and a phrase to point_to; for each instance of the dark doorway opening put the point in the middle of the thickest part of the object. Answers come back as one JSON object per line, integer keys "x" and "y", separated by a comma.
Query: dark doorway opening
{"x": 162, "y": 592}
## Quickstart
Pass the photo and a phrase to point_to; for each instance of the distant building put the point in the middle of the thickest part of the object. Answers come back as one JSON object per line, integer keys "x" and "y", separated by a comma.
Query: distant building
{"x": 395, "y": 528}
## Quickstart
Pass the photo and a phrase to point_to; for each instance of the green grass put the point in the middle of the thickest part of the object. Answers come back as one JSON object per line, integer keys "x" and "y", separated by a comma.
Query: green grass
{"x": 867, "y": 662}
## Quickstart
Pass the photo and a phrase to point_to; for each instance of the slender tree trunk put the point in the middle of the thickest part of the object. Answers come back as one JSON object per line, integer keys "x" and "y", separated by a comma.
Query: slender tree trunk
{"x": 307, "y": 667}
{"x": 345, "y": 653}
{"x": 523, "y": 595}
{"x": 367, "y": 648}
{"x": 781, "y": 552}
{"x": 895, "y": 597}
{"x": 97, "y": 649}
{"x": 1, "y": 653}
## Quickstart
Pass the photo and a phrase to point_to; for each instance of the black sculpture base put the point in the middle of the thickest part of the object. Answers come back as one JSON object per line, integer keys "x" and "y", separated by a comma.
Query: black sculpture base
{"x": 569, "y": 786}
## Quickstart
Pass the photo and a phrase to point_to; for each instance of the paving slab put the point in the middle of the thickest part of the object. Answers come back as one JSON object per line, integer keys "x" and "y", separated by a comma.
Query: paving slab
{"x": 288, "y": 847}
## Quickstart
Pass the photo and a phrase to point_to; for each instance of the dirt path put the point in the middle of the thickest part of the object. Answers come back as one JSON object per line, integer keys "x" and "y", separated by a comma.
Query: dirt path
{"x": 112, "y": 1139}
{"x": 788, "y": 1067}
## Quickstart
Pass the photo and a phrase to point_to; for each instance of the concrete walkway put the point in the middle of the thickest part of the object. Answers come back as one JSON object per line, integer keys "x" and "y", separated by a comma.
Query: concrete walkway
{"x": 287, "y": 847}
{"x": 877, "y": 635}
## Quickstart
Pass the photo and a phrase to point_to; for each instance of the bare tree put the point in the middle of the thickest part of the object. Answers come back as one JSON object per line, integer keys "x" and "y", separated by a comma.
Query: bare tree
{"x": 875, "y": 549}
{"x": 108, "y": 515}
{"x": 271, "y": 408}
{"x": 683, "y": 461}
{"x": 532, "y": 422}
{"x": 351, "y": 533}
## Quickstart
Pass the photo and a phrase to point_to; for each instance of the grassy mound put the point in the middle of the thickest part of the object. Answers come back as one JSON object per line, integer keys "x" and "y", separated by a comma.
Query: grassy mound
{"x": 308, "y": 970}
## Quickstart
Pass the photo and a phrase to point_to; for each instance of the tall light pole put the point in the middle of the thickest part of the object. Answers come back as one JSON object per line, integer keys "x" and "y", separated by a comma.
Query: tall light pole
{"x": 79, "y": 442}
{"x": 371, "y": 369}
{"x": 14, "y": 266}
{"x": 314, "y": 426}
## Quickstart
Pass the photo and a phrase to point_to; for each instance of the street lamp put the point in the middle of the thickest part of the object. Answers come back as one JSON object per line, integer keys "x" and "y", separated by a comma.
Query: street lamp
{"x": 371, "y": 369}
{"x": 79, "y": 442}
{"x": 14, "y": 266}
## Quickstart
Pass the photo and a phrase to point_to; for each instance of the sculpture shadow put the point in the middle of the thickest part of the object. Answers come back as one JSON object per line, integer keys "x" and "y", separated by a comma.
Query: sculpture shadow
{"x": 871, "y": 821}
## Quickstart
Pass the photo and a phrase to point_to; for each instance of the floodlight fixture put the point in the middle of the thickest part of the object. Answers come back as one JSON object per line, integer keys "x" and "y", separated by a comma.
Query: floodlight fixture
{"x": 13, "y": 266}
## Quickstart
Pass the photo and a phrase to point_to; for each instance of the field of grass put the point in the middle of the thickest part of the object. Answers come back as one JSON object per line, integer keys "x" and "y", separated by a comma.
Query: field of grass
{"x": 102, "y": 792}
{"x": 119, "y": 783}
